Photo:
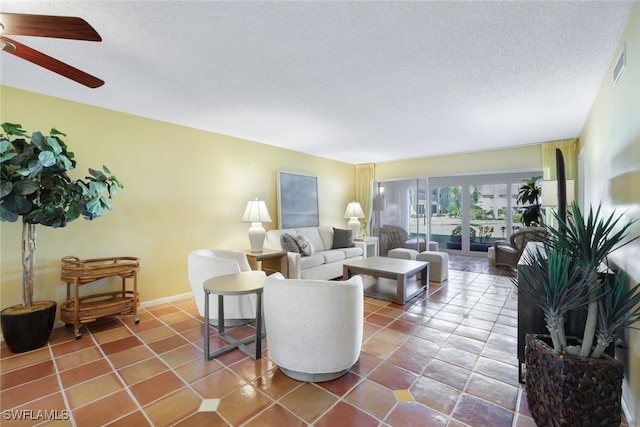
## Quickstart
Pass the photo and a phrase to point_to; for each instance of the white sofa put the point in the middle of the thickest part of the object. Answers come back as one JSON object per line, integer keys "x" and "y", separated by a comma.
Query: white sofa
{"x": 326, "y": 262}
{"x": 314, "y": 327}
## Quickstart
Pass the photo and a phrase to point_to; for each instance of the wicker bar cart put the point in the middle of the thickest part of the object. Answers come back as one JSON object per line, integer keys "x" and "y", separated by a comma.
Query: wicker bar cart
{"x": 77, "y": 310}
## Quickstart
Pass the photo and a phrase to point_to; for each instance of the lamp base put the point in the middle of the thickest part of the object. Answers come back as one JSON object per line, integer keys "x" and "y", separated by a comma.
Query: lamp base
{"x": 354, "y": 224}
{"x": 256, "y": 237}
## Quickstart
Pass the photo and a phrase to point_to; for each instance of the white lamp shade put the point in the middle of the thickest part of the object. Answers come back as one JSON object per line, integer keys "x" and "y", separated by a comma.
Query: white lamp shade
{"x": 354, "y": 210}
{"x": 256, "y": 213}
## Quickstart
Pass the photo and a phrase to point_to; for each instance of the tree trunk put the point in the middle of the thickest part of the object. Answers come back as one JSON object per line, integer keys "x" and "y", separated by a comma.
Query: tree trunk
{"x": 28, "y": 262}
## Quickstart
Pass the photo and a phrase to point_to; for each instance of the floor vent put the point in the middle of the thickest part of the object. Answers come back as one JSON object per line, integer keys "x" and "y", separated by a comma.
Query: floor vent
{"x": 620, "y": 63}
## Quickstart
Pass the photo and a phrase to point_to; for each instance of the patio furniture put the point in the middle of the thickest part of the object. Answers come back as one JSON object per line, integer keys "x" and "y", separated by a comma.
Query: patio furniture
{"x": 507, "y": 254}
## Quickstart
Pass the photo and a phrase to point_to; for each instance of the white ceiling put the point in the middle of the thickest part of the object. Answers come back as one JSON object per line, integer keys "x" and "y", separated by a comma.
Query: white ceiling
{"x": 356, "y": 81}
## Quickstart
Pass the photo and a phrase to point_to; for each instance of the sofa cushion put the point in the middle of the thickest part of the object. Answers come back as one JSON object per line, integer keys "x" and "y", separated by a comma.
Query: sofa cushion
{"x": 351, "y": 252}
{"x": 311, "y": 261}
{"x": 342, "y": 238}
{"x": 306, "y": 248}
{"x": 288, "y": 243}
{"x": 332, "y": 255}
{"x": 326, "y": 235}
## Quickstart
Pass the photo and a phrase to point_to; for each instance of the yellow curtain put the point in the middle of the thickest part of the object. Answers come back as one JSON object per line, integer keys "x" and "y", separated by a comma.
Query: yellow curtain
{"x": 365, "y": 174}
{"x": 569, "y": 152}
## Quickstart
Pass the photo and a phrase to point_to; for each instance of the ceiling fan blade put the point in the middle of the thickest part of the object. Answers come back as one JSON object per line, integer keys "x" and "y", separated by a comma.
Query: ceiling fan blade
{"x": 62, "y": 27}
{"x": 52, "y": 64}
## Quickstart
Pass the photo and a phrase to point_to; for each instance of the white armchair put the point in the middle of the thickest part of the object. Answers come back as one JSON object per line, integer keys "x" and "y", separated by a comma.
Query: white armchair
{"x": 314, "y": 327}
{"x": 204, "y": 264}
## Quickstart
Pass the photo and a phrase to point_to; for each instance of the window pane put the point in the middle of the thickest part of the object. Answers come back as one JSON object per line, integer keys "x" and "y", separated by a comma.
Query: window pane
{"x": 487, "y": 215}
{"x": 446, "y": 219}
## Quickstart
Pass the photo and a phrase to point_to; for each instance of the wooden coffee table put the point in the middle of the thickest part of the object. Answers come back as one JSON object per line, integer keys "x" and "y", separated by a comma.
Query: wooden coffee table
{"x": 392, "y": 279}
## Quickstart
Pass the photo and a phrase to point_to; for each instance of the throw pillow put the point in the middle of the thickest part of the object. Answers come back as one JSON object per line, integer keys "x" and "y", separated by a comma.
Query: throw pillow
{"x": 304, "y": 244}
{"x": 288, "y": 243}
{"x": 342, "y": 238}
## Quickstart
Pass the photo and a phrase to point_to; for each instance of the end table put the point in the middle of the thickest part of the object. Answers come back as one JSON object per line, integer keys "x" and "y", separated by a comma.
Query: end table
{"x": 270, "y": 261}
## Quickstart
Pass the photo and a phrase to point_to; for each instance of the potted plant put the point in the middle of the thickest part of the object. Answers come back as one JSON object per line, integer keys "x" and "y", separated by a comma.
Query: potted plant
{"x": 455, "y": 240}
{"x": 529, "y": 195}
{"x": 575, "y": 383}
{"x": 35, "y": 186}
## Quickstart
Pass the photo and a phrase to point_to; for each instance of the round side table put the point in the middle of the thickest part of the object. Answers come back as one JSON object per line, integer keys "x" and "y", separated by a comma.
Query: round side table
{"x": 247, "y": 282}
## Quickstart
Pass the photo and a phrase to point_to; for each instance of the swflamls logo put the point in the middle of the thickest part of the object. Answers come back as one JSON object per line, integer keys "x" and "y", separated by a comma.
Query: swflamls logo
{"x": 31, "y": 415}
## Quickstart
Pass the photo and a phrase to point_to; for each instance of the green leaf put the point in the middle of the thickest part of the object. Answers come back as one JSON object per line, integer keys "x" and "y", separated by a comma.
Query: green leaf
{"x": 7, "y": 157}
{"x": 5, "y": 145}
{"x": 25, "y": 187}
{"x": 106, "y": 169}
{"x": 105, "y": 203}
{"x": 55, "y": 131}
{"x": 13, "y": 129}
{"x": 47, "y": 158}
{"x": 97, "y": 187}
{"x": 97, "y": 175}
{"x": 6, "y": 216}
{"x": 35, "y": 168}
{"x": 5, "y": 188}
{"x": 17, "y": 204}
{"x": 23, "y": 172}
{"x": 53, "y": 143}
{"x": 73, "y": 212}
{"x": 68, "y": 164}
{"x": 94, "y": 207}
{"x": 38, "y": 140}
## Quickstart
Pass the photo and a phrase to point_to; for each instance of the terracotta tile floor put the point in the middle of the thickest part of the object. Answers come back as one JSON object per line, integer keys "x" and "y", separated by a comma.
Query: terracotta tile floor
{"x": 449, "y": 360}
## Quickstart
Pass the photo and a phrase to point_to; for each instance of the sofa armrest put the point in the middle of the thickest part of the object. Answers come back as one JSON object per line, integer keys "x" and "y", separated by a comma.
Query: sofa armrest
{"x": 295, "y": 265}
{"x": 361, "y": 245}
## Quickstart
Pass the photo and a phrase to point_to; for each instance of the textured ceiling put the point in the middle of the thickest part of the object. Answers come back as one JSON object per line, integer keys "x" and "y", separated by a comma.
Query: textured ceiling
{"x": 356, "y": 81}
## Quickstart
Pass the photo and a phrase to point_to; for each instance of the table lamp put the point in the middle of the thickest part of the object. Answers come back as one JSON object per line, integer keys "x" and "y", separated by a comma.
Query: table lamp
{"x": 353, "y": 212}
{"x": 256, "y": 213}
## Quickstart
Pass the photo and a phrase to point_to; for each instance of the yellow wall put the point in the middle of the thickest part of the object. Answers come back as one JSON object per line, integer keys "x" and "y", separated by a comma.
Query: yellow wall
{"x": 491, "y": 161}
{"x": 184, "y": 189}
{"x": 610, "y": 143}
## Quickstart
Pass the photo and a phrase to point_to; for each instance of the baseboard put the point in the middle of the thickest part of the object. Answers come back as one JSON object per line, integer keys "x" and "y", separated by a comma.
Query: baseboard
{"x": 59, "y": 324}
{"x": 631, "y": 422}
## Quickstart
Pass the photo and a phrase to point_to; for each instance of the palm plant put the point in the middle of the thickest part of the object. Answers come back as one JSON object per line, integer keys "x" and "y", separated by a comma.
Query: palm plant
{"x": 619, "y": 308}
{"x": 558, "y": 287}
{"x": 529, "y": 196}
{"x": 568, "y": 276}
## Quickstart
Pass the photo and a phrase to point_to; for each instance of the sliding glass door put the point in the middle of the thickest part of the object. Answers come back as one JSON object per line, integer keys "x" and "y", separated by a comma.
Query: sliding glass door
{"x": 399, "y": 214}
{"x": 462, "y": 214}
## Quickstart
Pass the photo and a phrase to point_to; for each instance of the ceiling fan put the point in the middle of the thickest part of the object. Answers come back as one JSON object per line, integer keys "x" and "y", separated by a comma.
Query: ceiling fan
{"x": 62, "y": 27}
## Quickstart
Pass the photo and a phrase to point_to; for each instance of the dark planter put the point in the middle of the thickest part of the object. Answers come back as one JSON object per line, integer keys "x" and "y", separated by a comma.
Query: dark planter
{"x": 453, "y": 245}
{"x": 481, "y": 247}
{"x": 26, "y": 331}
{"x": 564, "y": 390}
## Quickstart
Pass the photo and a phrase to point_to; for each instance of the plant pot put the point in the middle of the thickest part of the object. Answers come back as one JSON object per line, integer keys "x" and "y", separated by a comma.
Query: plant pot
{"x": 481, "y": 247}
{"x": 571, "y": 390}
{"x": 27, "y": 329}
{"x": 453, "y": 245}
